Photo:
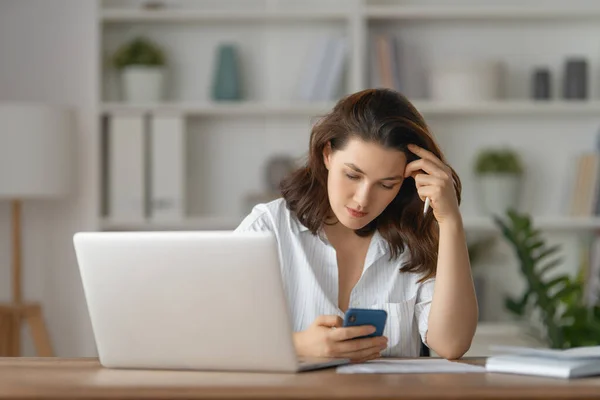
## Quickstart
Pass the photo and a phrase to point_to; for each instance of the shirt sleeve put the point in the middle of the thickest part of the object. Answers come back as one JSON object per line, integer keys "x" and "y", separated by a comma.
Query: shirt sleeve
{"x": 423, "y": 305}
{"x": 257, "y": 221}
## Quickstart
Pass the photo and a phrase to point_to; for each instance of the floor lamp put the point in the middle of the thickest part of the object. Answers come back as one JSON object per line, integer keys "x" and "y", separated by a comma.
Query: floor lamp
{"x": 34, "y": 165}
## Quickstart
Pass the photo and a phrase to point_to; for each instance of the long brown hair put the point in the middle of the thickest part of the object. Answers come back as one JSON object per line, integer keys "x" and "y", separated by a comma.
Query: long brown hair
{"x": 385, "y": 117}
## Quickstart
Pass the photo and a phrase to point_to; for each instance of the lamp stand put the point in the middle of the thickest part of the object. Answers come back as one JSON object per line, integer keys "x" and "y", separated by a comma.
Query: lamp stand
{"x": 13, "y": 314}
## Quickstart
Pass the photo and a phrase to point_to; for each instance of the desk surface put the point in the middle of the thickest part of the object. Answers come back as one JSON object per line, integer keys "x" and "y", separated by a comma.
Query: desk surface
{"x": 52, "y": 378}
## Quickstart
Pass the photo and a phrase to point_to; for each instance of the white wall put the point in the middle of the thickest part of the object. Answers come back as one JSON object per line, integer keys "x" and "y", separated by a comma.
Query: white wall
{"x": 48, "y": 53}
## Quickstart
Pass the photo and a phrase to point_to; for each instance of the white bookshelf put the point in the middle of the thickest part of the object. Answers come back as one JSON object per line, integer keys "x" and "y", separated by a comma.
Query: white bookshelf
{"x": 249, "y": 108}
{"x": 198, "y": 223}
{"x": 478, "y": 12}
{"x": 229, "y": 143}
{"x": 471, "y": 223}
{"x": 124, "y": 16}
{"x": 384, "y": 12}
{"x": 546, "y": 223}
{"x": 512, "y": 107}
{"x": 278, "y": 34}
{"x": 208, "y": 109}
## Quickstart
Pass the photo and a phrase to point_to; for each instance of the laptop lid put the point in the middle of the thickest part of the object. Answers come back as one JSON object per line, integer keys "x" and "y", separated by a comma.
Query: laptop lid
{"x": 186, "y": 300}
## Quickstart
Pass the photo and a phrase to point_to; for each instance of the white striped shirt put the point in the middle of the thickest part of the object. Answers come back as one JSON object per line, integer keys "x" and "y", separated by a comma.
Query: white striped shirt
{"x": 310, "y": 275}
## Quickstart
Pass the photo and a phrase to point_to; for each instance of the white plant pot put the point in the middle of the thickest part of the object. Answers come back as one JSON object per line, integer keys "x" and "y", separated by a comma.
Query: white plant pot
{"x": 498, "y": 192}
{"x": 142, "y": 84}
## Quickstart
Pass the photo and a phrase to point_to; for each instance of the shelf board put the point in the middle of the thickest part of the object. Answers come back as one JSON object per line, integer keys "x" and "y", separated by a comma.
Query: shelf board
{"x": 191, "y": 223}
{"x": 549, "y": 223}
{"x": 428, "y": 108}
{"x": 123, "y": 15}
{"x": 190, "y": 15}
{"x": 476, "y": 13}
{"x": 511, "y": 107}
{"x": 473, "y": 223}
{"x": 222, "y": 109}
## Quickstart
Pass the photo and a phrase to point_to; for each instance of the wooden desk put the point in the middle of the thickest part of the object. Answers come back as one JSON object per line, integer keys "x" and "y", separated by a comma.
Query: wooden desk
{"x": 54, "y": 378}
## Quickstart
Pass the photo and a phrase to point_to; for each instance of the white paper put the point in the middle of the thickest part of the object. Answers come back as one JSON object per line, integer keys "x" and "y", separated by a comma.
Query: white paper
{"x": 420, "y": 366}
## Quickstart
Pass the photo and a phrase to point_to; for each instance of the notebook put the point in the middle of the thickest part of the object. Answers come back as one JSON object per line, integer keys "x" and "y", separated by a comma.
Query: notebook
{"x": 570, "y": 363}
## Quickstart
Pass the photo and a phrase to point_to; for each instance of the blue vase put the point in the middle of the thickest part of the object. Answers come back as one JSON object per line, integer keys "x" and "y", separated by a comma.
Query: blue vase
{"x": 226, "y": 79}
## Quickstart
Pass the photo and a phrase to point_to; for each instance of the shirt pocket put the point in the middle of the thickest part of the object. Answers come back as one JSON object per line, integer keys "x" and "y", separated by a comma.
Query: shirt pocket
{"x": 399, "y": 328}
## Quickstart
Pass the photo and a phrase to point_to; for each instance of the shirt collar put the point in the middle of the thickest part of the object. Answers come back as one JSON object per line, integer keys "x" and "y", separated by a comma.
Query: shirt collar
{"x": 378, "y": 243}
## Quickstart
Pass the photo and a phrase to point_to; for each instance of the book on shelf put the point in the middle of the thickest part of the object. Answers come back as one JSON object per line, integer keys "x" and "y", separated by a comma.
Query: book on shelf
{"x": 126, "y": 181}
{"x": 590, "y": 268}
{"x": 145, "y": 167}
{"x": 570, "y": 363}
{"x": 585, "y": 195}
{"x": 321, "y": 78}
{"x": 386, "y": 68}
{"x": 167, "y": 167}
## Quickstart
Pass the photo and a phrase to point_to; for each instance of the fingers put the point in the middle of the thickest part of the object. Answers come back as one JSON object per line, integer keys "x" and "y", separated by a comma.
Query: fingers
{"x": 428, "y": 166}
{"x": 427, "y": 180}
{"x": 429, "y": 186}
{"x": 352, "y": 332}
{"x": 427, "y": 162}
{"x": 425, "y": 154}
{"x": 329, "y": 321}
{"x": 358, "y": 345}
{"x": 371, "y": 351}
{"x": 432, "y": 191}
{"x": 364, "y": 355}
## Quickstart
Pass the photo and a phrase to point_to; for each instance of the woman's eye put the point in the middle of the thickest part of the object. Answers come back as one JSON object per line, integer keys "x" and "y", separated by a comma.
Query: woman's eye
{"x": 387, "y": 187}
{"x": 353, "y": 177}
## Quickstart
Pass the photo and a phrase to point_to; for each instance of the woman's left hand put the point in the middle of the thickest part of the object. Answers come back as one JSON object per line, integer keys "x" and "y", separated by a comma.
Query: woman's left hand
{"x": 434, "y": 179}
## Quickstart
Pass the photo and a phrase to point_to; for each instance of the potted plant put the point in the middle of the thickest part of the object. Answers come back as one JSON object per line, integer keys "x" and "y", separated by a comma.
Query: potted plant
{"x": 554, "y": 304}
{"x": 499, "y": 173}
{"x": 142, "y": 67}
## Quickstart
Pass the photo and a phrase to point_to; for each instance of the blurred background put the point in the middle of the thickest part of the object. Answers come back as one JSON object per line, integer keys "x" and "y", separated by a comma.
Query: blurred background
{"x": 179, "y": 115}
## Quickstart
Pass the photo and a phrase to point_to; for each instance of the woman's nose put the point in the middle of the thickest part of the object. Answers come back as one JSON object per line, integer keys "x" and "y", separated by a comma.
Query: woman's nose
{"x": 361, "y": 197}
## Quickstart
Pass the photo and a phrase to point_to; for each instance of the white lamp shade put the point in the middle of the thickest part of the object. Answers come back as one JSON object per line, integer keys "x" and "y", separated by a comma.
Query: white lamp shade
{"x": 35, "y": 151}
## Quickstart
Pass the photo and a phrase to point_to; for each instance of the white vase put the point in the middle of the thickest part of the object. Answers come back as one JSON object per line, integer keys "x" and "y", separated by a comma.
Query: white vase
{"x": 498, "y": 192}
{"x": 456, "y": 81}
{"x": 142, "y": 84}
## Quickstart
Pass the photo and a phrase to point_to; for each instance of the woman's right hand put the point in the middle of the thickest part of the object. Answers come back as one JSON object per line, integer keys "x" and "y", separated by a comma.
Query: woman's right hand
{"x": 322, "y": 340}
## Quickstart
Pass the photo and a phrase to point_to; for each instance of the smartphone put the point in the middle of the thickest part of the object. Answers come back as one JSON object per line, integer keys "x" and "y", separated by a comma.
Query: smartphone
{"x": 364, "y": 316}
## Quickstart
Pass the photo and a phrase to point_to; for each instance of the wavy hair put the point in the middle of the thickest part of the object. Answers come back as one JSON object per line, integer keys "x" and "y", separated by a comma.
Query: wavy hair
{"x": 387, "y": 118}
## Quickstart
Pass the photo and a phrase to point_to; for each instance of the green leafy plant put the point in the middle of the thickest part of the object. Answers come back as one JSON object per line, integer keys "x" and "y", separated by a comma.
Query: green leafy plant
{"x": 559, "y": 299}
{"x": 140, "y": 51}
{"x": 494, "y": 161}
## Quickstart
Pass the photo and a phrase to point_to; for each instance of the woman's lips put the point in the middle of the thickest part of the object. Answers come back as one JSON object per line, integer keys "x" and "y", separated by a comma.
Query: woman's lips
{"x": 354, "y": 213}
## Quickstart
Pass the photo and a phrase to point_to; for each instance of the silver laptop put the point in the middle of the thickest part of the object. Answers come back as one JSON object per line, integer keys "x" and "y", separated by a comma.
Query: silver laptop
{"x": 188, "y": 300}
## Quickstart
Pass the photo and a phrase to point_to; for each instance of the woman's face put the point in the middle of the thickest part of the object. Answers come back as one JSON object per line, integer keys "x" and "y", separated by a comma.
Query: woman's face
{"x": 363, "y": 179}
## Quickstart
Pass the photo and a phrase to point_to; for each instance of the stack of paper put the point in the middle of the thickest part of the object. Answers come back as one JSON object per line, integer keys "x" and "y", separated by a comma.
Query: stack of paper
{"x": 418, "y": 366}
{"x": 571, "y": 363}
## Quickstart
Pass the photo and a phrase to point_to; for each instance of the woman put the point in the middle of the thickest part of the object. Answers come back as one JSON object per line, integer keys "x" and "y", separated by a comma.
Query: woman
{"x": 352, "y": 233}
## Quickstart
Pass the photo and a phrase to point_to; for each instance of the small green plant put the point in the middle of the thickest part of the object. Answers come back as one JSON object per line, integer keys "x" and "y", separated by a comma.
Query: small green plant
{"x": 558, "y": 299}
{"x": 139, "y": 51}
{"x": 496, "y": 161}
